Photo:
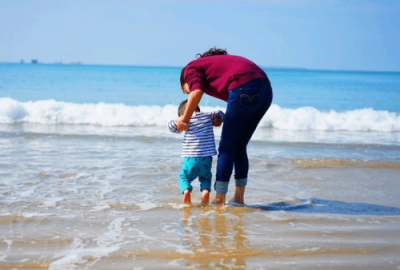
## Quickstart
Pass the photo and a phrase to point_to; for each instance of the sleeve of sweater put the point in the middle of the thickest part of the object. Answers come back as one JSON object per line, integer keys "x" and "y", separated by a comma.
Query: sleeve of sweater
{"x": 172, "y": 127}
{"x": 194, "y": 78}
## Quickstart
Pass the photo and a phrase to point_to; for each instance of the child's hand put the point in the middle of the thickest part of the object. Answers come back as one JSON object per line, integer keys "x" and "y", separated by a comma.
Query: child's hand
{"x": 180, "y": 125}
{"x": 217, "y": 121}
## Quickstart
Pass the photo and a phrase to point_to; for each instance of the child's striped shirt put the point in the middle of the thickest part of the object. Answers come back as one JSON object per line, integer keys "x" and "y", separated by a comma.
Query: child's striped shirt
{"x": 199, "y": 139}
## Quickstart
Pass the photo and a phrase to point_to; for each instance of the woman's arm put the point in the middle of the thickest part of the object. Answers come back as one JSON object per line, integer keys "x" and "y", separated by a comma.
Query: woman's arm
{"x": 193, "y": 101}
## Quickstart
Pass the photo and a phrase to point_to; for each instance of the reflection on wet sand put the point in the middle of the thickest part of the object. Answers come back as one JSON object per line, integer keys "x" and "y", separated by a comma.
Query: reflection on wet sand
{"x": 245, "y": 238}
{"x": 216, "y": 238}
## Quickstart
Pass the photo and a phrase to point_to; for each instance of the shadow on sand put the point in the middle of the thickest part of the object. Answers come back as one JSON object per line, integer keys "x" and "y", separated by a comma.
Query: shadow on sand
{"x": 313, "y": 205}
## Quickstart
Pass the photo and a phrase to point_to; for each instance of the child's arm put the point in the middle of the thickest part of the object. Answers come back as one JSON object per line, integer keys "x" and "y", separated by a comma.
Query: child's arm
{"x": 172, "y": 127}
{"x": 217, "y": 118}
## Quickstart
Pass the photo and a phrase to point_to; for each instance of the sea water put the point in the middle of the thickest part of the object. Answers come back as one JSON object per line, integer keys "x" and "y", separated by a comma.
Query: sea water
{"x": 88, "y": 173}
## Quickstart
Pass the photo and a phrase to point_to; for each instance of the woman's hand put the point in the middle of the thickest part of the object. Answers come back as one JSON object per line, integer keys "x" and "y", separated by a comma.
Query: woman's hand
{"x": 180, "y": 125}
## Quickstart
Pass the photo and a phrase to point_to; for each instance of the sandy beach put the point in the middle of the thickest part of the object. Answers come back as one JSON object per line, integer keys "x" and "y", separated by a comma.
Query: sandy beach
{"x": 90, "y": 202}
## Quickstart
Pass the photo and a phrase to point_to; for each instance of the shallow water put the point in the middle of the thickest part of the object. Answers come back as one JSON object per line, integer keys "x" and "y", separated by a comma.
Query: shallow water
{"x": 103, "y": 200}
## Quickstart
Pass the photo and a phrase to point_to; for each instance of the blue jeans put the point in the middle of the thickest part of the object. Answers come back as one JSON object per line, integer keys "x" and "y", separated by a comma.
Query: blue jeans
{"x": 192, "y": 168}
{"x": 247, "y": 105}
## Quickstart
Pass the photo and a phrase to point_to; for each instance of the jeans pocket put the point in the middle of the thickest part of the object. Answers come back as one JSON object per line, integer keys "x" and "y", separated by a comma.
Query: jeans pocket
{"x": 250, "y": 101}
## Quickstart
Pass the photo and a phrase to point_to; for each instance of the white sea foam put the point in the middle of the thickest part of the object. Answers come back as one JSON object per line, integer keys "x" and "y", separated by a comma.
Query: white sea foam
{"x": 308, "y": 118}
{"x": 115, "y": 115}
{"x": 109, "y": 242}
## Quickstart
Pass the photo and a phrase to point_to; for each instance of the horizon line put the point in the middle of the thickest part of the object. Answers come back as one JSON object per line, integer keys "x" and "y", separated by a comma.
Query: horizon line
{"x": 79, "y": 63}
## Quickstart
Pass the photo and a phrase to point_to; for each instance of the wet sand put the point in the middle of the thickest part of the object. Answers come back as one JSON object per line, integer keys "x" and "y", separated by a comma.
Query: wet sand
{"x": 203, "y": 238}
{"x": 89, "y": 202}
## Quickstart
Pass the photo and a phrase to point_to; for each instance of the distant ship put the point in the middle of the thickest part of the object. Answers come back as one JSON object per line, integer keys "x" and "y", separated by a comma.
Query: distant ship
{"x": 34, "y": 61}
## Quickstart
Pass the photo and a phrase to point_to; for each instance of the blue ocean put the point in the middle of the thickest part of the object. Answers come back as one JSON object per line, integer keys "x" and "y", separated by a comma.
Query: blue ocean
{"x": 89, "y": 173}
{"x": 303, "y": 99}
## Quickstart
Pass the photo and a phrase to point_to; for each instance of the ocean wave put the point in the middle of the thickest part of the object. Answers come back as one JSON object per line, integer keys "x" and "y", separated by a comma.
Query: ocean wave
{"x": 103, "y": 114}
{"x": 309, "y": 118}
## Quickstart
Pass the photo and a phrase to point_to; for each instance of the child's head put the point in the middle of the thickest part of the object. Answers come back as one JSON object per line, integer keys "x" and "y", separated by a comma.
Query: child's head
{"x": 182, "y": 107}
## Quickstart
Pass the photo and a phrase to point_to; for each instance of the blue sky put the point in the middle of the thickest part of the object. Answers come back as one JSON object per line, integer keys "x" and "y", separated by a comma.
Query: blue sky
{"x": 314, "y": 34}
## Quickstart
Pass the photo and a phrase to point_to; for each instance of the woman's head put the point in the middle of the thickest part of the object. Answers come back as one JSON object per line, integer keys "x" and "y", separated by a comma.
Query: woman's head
{"x": 210, "y": 52}
{"x": 182, "y": 108}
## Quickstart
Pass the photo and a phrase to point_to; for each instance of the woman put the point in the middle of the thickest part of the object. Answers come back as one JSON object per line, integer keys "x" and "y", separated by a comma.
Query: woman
{"x": 247, "y": 90}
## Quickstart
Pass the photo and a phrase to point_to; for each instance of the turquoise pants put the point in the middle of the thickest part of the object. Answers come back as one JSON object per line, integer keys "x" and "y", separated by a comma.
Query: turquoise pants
{"x": 192, "y": 168}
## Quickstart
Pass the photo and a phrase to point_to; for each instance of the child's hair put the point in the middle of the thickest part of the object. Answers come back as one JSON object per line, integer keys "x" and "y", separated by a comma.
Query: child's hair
{"x": 182, "y": 107}
{"x": 210, "y": 52}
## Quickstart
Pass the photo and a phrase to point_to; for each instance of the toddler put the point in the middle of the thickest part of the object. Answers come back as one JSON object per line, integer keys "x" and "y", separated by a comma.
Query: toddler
{"x": 198, "y": 147}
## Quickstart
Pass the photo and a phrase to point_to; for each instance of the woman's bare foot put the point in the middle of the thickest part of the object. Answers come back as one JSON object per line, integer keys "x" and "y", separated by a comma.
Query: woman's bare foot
{"x": 239, "y": 195}
{"x": 219, "y": 199}
{"x": 205, "y": 197}
{"x": 186, "y": 197}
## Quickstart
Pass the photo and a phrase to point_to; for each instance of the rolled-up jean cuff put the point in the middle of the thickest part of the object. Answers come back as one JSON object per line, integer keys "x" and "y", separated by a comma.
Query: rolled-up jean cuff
{"x": 221, "y": 187}
{"x": 241, "y": 182}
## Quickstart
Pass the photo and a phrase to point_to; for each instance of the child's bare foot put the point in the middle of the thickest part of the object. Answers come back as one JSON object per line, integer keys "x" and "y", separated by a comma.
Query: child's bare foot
{"x": 186, "y": 197}
{"x": 205, "y": 197}
{"x": 239, "y": 195}
{"x": 219, "y": 199}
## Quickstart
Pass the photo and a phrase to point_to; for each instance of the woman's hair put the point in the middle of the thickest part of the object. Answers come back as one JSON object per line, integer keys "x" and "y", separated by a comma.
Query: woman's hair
{"x": 182, "y": 76}
{"x": 210, "y": 52}
{"x": 182, "y": 108}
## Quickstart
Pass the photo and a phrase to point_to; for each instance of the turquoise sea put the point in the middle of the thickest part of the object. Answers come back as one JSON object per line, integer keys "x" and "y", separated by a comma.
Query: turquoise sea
{"x": 136, "y": 85}
{"x": 88, "y": 173}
